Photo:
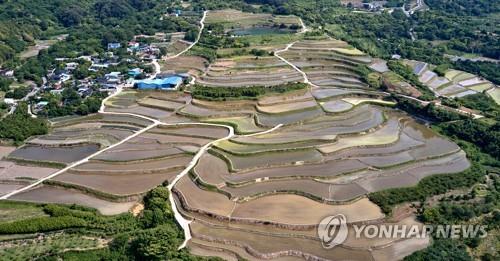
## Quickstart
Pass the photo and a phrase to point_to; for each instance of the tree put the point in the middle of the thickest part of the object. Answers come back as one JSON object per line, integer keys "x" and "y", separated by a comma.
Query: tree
{"x": 83, "y": 109}
{"x": 71, "y": 16}
{"x": 19, "y": 126}
{"x": 157, "y": 244}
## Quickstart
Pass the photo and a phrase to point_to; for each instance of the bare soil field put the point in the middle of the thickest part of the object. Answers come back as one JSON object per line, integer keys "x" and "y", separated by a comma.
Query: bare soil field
{"x": 144, "y": 166}
{"x": 200, "y": 131}
{"x": 298, "y": 210}
{"x": 185, "y": 64}
{"x": 118, "y": 184}
{"x": 12, "y": 171}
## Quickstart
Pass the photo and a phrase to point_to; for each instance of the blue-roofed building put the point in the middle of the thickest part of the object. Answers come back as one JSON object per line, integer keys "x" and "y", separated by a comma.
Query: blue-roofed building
{"x": 114, "y": 46}
{"x": 134, "y": 72}
{"x": 165, "y": 83}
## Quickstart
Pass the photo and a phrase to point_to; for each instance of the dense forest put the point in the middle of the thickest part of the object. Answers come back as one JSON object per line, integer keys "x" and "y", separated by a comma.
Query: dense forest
{"x": 91, "y": 24}
{"x": 19, "y": 125}
{"x": 465, "y": 7}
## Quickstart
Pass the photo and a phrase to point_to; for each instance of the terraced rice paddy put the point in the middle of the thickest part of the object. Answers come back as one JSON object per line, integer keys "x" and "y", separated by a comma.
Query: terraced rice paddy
{"x": 242, "y": 23}
{"x": 328, "y": 63}
{"x": 249, "y": 71}
{"x": 54, "y": 154}
{"x": 454, "y": 83}
{"x": 242, "y": 124}
{"x": 295, "y": 158}
{"x": 262, "y": 183}
{"x": 146, "y": 161}
{"x": 152, "y": 104}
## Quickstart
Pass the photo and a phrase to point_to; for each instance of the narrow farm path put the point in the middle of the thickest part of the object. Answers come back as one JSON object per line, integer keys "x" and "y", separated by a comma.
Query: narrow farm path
{"x": 304, "y": 75}
{"x": 306, "y": 80}
{"x": 202, "y": 26}
{"x": 304, "y": 29}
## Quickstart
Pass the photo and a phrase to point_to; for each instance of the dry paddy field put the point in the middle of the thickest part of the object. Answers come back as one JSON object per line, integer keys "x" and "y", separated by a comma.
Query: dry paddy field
{"x": 193, "y": 65}
{"x": 154, "y": 104}
{"x": 243, "y": 23}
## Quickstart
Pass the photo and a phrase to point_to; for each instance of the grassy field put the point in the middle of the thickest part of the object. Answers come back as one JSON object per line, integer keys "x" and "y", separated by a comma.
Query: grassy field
{"x": 10, "y": 211}
{"x": 29, "y": 249}
{"x": 495, "y": 95}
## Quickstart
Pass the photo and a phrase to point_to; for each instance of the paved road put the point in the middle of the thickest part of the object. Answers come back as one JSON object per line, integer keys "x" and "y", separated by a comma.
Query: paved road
{"x": 157, "y": 69}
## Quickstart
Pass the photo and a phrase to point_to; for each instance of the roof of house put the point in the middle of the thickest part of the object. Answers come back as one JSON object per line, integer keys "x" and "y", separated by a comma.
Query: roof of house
{"x": 174, "y": 80}
{"x": 113, "y": 74}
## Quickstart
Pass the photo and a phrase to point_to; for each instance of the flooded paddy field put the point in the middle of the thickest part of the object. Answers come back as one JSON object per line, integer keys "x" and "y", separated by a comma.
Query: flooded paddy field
{"x": 54, "y": 154}
{"x": 242, "y": 124}
{"x": 308, "y": 187}
{"x": 152, "y": 137}
{"x": 287, "y": 107}
{"x": 271, "y": 158}
{"x": 329, "y": 93}
{"x": 136, "y": 154}
{"x": 336, "y": 106}
{"x": 327, "y": 169}
{"x": 104, "y": 118}
{"x": 270, "y": 120}
{"x": 195, "y": 111}
{"x": 161, "y": 104}
{"x": 386, "y": 135}
{"x": 152, "y": 112}
{"x": 249, "y": 148}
